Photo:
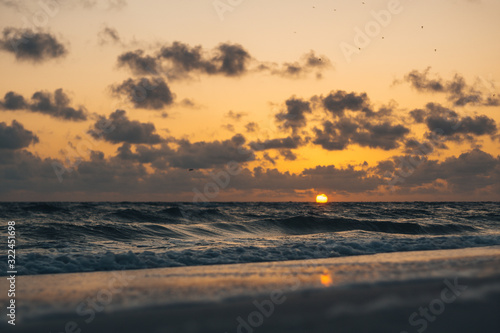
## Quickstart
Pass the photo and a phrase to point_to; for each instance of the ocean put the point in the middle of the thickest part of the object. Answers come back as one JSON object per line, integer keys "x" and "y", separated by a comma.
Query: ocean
{"x": 103, "y": 236}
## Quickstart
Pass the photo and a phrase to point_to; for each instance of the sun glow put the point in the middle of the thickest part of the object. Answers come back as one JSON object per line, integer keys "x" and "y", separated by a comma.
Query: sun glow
{"x": 321, "y": 198}
{"x": 326, "y": 279}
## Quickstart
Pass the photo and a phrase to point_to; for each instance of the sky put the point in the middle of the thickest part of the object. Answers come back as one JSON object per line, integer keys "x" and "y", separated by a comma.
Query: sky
{"x": 249, "y": 100}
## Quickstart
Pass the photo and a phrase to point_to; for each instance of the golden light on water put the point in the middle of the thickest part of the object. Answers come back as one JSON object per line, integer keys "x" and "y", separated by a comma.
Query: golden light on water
{"x": 321, "y": 198}
{"x": 326, "y": 279}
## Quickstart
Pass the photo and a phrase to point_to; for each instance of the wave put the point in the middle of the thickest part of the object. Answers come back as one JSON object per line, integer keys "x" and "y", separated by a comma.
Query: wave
{"x": 50, "y": 263}
{"x": 308, "y": 224}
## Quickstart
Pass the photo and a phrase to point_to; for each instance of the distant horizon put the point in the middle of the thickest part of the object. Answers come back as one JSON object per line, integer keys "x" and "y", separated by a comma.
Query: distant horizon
{"x": 211, "y": 202}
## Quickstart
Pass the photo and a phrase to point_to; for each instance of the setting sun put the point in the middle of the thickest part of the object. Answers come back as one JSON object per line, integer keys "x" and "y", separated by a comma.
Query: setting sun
{"x": 321, "y": 198}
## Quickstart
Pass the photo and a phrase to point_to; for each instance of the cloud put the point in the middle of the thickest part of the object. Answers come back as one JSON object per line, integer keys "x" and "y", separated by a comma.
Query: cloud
{"x": 191, "y": 155}
{"x": 252, "y": 127}
{"x": 32, "y": 46}
{"x": 139, "y": 63}
{"x": 144, "y": 93}
{"x": 308, "y": 63}
{"x": 226, "y": 59}
{"x": 337, "y": 102}
{"x": 288, "y": 155}
{"x": 180, "y": 61}
{"x": 236, "y": 116}
{"x": 458, "y": 91}
{"x": 13, "y": 101}
{"x": 340, "y": 134}
{"x": 15, "y": 136}
{"x": 449, "y": 124}
{"x": 469, "y": 172}
{"x": 56, "y": 105}
{"x": 109, "y": 36}
{"x": 294, "y": 117}
{"x": 280, "y": 143}
{"x": 23, "y": 173}
{"x": 232, "y": 59}
{"x": 117, "y": 128}
{"x": 202, "y": 155}
{"x": 185, "y": 59}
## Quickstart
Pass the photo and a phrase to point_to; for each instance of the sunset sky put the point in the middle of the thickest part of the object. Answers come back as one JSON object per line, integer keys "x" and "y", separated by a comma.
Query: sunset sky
{"x": 249, "y": 100}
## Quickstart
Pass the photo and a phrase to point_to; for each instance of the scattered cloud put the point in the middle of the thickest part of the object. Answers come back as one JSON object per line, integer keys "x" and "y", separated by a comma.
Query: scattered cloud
{"x": 310, "y": 62}
{"x": 458, "y": 91}
{"x": 451, "y": 126}
{"x": 145, "y": 93}
{"x": 15, "y": 136}
{"x": 55, "y": 104}
{"x": 117, "y": 128}
{"x": 252, "y": 127}
{"x": 281, "y": 143}
{"x": 179, "y": 61}
{"x": 294, "y": 116}
{"x": 32, "y": 46}
{"x": 138, "y": 63}
{"x": 338, "y": 135}
{"x": 236, "y": 116}
{"x": 337, "y": 102}
{"x": 13, "y": 101}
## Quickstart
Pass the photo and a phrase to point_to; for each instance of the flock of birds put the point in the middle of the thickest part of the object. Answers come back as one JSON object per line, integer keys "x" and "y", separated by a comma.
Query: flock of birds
{"x": 363, "y": 3}
{"x": 314, "y": 7}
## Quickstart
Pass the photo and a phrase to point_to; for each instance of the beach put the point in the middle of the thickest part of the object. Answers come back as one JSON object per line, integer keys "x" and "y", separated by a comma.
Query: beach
{"x": 383, "y": 292}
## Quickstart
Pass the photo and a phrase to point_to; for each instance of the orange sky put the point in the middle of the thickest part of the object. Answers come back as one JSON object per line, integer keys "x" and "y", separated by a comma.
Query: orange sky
{"x": 449, "y": 37}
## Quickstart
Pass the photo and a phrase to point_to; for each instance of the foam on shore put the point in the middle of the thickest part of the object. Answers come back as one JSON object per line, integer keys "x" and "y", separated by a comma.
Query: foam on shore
{"x": 344, "y": 292}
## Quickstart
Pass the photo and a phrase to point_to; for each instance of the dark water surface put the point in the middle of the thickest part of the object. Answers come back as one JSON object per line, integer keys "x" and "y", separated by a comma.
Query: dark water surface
{"x": 84, "y": 237}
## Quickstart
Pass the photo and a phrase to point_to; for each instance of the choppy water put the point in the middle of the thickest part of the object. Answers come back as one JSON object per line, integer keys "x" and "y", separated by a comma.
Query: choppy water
{"x": 81, "y": 237}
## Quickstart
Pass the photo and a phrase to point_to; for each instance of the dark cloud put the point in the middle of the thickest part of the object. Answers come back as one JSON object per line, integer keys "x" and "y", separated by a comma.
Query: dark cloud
{"x": 33, "y": 46}
{"x": 288, "y": 155}
{"x": 458, "y": 91}
{"x": 465, "y": 174}
{"x": 145, "y": 93}
{"x": 335, "y": 136}
{"x": 421, "y": 81}
{"x": 337, "y": 102}
{"x": 185, "y": 59}
{"x": 56, "y": 105}
{"x": 15, "y": 136}
{"x": 473, "y": 173}
{"x": 203, "y": 155}
{"x": 13, "y": 101}
{"x": 139, "y": 63}
{"x": 226, "y": 59}
{"x": 281, "y": 143}
{"x": 118, "y": 128}
{"x": 384, "y": 135}
{"x": 449, "y": 124}
{"x": 294, "y": 117}
{"x": 340, "y": 134}
{"x": 180, "y": 60}
{"x": 232, "y": 59}
{"x": 190, "y": 155}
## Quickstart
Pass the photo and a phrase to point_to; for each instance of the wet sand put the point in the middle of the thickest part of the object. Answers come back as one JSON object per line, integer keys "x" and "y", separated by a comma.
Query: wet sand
{"x": 431, "y": 291}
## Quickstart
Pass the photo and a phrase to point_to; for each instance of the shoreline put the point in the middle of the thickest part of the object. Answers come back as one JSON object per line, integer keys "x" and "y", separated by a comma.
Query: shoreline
{"x": 378, "y": 286}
